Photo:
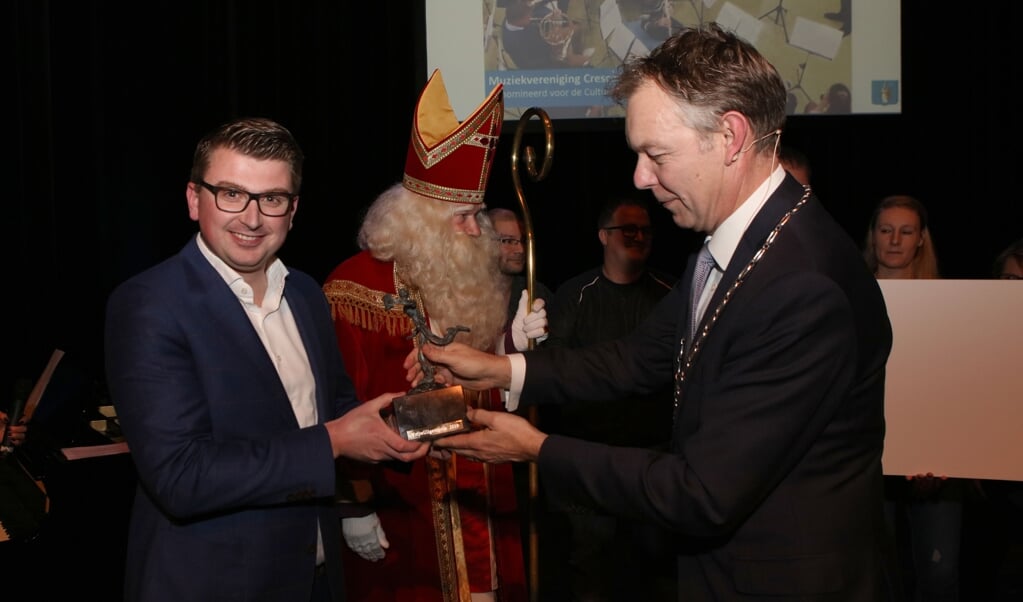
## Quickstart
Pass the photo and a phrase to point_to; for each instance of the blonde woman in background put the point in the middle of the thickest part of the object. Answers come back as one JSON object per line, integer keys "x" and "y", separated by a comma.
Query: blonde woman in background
{"x": 924, "y": 511}
{"x": 899, "y": 242}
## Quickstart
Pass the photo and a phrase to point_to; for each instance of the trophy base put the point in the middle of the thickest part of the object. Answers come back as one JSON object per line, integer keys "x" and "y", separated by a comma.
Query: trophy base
{"x": 431, "y": 414}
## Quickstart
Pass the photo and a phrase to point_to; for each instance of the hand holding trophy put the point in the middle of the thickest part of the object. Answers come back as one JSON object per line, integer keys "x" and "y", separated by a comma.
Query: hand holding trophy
{"x": 429, "y": 410}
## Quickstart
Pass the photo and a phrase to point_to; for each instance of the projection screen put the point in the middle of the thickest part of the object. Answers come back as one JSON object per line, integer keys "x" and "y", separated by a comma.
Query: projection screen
{"x": 836, "y": 56}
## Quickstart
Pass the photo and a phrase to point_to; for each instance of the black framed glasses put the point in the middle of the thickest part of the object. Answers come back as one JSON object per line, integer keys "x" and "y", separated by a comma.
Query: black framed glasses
{"x": 511, "y": 242}
{"x": 632, "y": 230}
{"x": 235, "y": 200}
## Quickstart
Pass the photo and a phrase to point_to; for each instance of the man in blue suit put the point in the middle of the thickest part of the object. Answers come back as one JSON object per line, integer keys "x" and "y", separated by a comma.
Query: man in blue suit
{"x": 772, "y": 488}
{"x": 232, "y": 394}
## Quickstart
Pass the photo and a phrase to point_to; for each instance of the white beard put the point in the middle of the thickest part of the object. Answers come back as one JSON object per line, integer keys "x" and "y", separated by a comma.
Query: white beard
{"x": 461, "y": 285}
{"x": 458, "y": 276}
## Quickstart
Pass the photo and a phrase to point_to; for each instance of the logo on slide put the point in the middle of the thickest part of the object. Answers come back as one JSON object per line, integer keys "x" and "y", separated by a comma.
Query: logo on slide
{"x": 884, "y": 92}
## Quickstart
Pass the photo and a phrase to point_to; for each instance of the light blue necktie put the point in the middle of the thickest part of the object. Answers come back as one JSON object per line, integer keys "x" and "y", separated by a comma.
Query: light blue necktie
{"x": 704, "y": 264}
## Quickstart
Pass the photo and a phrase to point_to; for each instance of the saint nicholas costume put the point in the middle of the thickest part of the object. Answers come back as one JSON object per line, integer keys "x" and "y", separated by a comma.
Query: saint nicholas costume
{"x": 453, "y": 526}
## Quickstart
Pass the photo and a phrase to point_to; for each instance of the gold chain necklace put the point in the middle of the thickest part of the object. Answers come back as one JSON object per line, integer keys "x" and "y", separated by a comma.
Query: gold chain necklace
{"x": 685, "y": 360}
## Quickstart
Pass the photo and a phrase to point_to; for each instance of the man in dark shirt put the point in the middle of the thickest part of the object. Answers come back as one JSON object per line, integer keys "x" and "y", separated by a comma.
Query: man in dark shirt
{"x": 605, "y": 560}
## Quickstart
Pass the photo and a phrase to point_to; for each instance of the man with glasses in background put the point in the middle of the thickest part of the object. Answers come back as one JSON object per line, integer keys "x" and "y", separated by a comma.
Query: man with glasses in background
{"x": 511, "y": 234}
{"x": 232, "y": 394}
{"x": 608, "y": 559}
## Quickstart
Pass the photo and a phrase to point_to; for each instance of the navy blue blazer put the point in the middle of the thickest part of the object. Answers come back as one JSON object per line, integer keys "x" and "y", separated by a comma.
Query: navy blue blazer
{"x": 230, "y": 488}
{"x": 773, "y": 489}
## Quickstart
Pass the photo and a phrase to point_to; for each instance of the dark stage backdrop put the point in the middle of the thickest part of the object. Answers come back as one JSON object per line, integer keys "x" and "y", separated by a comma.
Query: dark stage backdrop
{"x": 109, "y": 98}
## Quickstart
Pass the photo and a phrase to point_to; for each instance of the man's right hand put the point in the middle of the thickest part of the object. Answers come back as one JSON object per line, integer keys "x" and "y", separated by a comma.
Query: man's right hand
{"x": 496, "y": 437}
{"x": 460, "y": 364}
{"x": 362, "y": 434}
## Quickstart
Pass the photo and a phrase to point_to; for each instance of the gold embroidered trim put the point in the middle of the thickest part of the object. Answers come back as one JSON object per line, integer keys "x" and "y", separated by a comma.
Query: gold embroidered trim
{"x": 364, "y": 307}
{"x": 470, "y": 133}
{"x": 443, "y": 193}
{"x": 454, "y": 577}
{"x": 441, "y": 477}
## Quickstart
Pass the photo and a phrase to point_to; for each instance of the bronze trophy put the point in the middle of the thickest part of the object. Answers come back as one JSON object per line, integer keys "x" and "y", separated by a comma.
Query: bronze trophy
{"x": 429, "y": 410}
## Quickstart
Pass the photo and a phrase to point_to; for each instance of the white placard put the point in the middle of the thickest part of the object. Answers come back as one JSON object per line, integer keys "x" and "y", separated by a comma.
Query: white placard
{"x": 954, "y": 388}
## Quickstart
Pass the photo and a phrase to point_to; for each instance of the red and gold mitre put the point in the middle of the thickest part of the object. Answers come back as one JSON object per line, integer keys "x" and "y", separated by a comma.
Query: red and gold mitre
{"x": 447, "y": 160}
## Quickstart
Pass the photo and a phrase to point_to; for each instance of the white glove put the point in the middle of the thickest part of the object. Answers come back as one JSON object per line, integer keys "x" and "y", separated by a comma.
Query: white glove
{"x": 532, "y": 325}
{"x": 365, "y": 536}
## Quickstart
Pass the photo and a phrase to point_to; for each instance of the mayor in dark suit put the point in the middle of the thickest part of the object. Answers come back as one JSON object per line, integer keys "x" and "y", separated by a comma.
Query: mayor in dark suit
{"x": 772, "y": 489}
{"x": 232, "y": 395}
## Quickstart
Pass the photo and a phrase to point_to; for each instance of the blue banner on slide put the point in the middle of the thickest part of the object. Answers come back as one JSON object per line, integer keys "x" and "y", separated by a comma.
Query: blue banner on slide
{"x": 524, "y": 88}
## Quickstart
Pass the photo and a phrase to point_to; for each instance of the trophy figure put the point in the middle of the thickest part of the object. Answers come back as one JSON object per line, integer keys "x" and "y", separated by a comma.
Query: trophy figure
{"x": 429, "y": 410}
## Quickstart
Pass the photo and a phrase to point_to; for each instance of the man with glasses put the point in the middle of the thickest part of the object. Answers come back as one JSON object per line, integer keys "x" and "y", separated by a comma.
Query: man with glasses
{"x": 510, "y": 233}
{"x": 233, "y": 397}
{"x": 603, "y": 558}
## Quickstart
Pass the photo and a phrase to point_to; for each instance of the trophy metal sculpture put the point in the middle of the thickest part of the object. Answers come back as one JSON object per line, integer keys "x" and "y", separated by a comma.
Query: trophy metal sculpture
{"x": 535, "y": 175}
{"x": 429, "y": 410}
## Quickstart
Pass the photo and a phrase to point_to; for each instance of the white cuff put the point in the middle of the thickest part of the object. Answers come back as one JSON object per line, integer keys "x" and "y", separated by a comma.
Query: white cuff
{"x": 518, "y": 377}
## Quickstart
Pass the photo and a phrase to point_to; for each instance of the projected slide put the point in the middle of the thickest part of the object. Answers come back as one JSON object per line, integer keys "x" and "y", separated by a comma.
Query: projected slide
{"x": 836, "y": 56}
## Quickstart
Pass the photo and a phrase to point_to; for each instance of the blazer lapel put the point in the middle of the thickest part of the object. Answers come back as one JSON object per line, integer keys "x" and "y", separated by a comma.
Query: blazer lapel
{"x": 307, "y": 330}
{"x": 217, "y": 299}
{"x": 784, "y": 199}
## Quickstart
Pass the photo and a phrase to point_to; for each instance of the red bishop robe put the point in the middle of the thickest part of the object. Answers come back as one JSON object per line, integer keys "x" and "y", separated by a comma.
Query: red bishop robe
{"x": 429, "y": 534}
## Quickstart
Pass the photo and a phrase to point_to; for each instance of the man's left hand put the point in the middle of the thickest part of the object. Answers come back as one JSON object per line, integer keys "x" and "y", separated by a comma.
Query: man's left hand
{"x": 497, "y": 437}
{"x": 529, "y": 325}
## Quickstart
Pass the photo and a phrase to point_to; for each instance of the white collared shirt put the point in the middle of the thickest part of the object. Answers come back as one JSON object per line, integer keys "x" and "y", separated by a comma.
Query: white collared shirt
{"x": 725, "y": 239}
{"x": 276, "y": 328}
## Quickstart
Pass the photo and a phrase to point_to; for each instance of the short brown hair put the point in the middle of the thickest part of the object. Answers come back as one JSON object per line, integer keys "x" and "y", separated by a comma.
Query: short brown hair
{"x": 710, "y": 71}
{"x": 255, "y": 137}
